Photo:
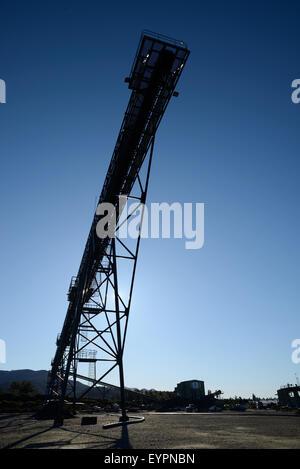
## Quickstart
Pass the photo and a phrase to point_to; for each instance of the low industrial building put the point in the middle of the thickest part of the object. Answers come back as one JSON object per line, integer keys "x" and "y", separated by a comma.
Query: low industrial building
{"x": 192, "y": 390}
{"x": 289, "y": 395}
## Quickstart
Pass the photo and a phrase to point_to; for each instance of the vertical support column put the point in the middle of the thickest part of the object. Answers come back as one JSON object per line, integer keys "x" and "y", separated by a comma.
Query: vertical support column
{"x": 75, "y": 376}
{"x": 124, "y": 417}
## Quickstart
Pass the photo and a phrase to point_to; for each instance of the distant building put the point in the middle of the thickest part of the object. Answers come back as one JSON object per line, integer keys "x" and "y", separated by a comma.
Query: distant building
{"x": 289, "y": 395}
{"x": 192, "y": 390}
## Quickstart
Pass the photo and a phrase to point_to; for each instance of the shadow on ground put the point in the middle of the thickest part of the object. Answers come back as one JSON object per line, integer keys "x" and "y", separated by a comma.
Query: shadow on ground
{"x": 109, "y": 443}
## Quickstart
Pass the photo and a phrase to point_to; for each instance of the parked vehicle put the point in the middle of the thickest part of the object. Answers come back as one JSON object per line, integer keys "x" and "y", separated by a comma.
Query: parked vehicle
{"x": 214, "y": 408}
{"x": 96, "y": 409}
{"x": 239, "y": 407}
{"x": 191, "y": 408}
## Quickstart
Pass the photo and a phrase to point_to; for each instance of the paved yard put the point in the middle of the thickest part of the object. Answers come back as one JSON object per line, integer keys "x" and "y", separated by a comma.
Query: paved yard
{"x": 251, "y": 429}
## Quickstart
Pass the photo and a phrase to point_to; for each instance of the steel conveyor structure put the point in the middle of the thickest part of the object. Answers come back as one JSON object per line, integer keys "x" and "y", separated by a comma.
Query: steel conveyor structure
{"x": 94, "y": 330}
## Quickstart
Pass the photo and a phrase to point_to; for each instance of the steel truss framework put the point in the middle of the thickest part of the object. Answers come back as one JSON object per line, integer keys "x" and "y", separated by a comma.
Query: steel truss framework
{"x": 105, "y": 317}
{"x": 94, "y": 331}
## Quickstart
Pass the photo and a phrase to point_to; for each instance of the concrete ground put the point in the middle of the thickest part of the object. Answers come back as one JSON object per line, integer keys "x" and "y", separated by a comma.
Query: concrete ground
{"x": 252, "y": 429}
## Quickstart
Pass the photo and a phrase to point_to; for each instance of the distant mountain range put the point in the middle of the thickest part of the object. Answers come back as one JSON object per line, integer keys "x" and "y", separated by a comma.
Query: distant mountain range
{"x": 39, "y": 381}
{"x": 37, "y": 378}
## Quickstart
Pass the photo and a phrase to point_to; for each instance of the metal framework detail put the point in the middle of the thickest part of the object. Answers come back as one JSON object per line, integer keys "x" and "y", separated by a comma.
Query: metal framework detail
{"x": 91, "y": 344}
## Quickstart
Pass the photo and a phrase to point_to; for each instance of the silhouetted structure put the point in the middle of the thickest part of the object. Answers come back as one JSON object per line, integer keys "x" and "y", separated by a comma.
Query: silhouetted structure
{"x": 192, "y": 390}
{"x": 98, "y": 311}
{"x": 289, "y": 395}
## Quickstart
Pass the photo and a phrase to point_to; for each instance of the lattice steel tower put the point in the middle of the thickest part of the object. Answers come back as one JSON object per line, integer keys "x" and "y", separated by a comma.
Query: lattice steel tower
{"x": 91, "y": 344}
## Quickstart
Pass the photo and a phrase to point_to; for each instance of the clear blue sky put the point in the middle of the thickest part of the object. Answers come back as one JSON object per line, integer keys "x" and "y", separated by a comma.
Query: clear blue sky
{"x": 226, "y": 313}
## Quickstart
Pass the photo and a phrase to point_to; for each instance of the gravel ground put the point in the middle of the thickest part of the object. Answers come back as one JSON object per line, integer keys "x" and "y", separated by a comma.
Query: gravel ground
{"x": 252, "y": 429}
